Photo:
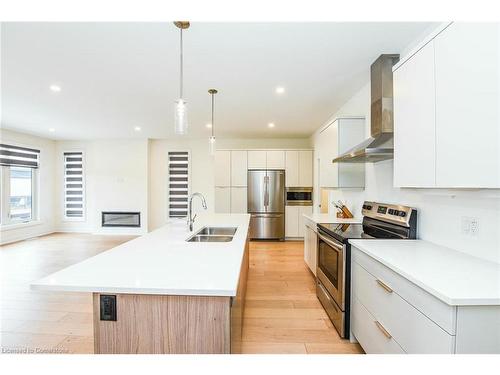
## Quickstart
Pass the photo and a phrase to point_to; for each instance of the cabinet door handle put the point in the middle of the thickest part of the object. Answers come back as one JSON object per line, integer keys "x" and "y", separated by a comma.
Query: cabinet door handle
{"x": 384, "y": 285}
{"x": 383, "y": 330}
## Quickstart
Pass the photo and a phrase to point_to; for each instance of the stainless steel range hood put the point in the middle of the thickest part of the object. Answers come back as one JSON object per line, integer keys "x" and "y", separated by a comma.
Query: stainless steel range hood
{"x": 380, "y": 145}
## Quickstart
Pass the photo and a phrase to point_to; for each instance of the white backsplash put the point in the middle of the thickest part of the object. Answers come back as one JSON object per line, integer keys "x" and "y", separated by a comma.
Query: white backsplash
{"x": 440, "y": 211}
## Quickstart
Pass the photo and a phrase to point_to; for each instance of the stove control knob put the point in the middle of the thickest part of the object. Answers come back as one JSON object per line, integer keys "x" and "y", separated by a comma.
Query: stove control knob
{"x": 402, "y": 213}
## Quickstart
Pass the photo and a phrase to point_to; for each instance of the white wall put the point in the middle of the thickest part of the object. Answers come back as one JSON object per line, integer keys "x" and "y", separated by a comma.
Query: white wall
{"x": 116, "y": 177}
{"x": 440, "y": 211}
{"x": 202, "y": 169}
{"x": 46, "y": 183}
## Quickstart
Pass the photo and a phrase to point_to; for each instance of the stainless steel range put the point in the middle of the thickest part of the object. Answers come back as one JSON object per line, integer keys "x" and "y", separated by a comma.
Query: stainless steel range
{"x": 333, "y": 283}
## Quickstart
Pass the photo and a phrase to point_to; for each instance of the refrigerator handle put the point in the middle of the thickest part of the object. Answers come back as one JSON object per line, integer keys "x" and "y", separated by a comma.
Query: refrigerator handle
{"x": 266, "y": 191}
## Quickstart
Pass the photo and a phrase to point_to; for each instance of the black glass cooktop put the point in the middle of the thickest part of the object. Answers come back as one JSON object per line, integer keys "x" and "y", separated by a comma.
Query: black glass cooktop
{"x": 344, "y": 232}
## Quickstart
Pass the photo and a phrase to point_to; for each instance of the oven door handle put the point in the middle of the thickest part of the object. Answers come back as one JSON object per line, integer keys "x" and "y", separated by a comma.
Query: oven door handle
{"x": 339, "y": 248}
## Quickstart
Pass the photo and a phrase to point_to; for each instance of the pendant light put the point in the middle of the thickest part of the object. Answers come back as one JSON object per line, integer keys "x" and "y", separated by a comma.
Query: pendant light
{"x": 181, "y": 123}
{"x": 211, "y": 140}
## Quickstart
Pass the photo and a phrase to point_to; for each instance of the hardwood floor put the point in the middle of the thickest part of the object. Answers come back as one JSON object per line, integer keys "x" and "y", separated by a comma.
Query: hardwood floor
{"x": 35, "y": 321}
{"x": 282, "y": 313}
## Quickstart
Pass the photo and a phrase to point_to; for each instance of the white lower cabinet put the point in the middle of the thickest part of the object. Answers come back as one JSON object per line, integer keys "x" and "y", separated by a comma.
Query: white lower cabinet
{"x": 238, "y": 200}
{"x": 371, "y": 335}
{"x": 390, "y": 314}
{"x": 222, "y": 200}
{"x": 311, "y": 247}
{"x": 291, "y": 221}
{"x": 303, "y": 210}
{"x": 294, "y": 220}
{"x": 396, "y": 318}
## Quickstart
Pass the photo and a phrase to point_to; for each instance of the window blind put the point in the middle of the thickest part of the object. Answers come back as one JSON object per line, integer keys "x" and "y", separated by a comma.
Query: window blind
{"x": 19, "y": 156}
{"x": 74, "y": 199}
{"x": 178, "y": 180}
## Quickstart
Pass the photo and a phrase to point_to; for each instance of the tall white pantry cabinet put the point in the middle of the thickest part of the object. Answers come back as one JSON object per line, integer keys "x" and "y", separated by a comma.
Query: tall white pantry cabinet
{"x": 230, "y": 181}
{"x": 446, "y": 117}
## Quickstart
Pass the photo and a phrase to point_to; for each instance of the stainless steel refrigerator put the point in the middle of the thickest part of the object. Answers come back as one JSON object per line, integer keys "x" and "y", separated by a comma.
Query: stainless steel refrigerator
{"x": 266, "y": 204}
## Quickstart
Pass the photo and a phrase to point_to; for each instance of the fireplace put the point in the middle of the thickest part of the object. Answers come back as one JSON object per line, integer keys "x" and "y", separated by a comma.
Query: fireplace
{"x": 121, "y": 219}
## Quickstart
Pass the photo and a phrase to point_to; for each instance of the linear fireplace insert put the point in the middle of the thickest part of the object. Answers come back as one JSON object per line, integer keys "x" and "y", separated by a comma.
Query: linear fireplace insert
{"x": 121, "y": 219}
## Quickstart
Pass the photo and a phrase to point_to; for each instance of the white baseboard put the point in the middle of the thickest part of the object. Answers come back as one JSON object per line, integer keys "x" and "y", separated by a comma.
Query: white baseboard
{"x": 26, "y": 238}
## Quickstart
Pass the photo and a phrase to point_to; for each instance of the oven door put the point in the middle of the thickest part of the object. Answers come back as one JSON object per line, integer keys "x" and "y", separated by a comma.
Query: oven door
{"x": 331, "y": 267}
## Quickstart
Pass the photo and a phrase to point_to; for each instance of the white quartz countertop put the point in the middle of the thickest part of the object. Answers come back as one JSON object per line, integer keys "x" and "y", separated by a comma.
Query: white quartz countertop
{"x": 162, "y": 262}
{"x": 454, "y": 277}
{"x": 330, "y": 219}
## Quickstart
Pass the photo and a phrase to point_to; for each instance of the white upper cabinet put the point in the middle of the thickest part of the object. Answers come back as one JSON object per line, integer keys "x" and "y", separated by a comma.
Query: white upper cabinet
{"x": 340, "y": 136}
{"x": 306, "y": 168}
{"x": 292, "y": 168}
{"x": 328, "y": 150}
{"x": 446, "y": 118}
{"x": 257, "y": 159}
{"x": 239, "y": 168}
{"x": 275, "y": 159}
{"x": 414, "y": 121}
{"x": 222, "y": 166}
{"x": 299, "y": 168}
{"x": 467, "y": 106}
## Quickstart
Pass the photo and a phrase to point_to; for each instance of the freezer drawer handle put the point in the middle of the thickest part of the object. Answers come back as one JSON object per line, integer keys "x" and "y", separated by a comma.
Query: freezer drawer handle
{"x": 384, "y": 285}
{"x": 383, "y": 330}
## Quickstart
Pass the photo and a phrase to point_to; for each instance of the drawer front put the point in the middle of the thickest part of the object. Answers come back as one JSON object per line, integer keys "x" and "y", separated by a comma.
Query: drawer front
{"x": 410, "y": 328}
{"x": 369, "y": 333}
{"x": 439, "y": 312}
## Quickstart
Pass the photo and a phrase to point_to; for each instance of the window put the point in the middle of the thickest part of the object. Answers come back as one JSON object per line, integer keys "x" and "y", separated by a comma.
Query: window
{"x": 18, "y": 185}
{"x": 178, "y": 183}
{"x": 21, "y": 194}
{"x": 74, "y": 186}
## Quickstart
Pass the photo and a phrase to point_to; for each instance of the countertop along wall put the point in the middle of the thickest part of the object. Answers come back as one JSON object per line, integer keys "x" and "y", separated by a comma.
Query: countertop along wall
{"x": 46, "y": 179}
{"x": 202, "y": 168}
{"x": 440, "y": 211}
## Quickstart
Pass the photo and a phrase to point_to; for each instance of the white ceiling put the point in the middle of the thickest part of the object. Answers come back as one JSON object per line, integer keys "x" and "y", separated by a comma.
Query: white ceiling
{"x": 115, "y": 76}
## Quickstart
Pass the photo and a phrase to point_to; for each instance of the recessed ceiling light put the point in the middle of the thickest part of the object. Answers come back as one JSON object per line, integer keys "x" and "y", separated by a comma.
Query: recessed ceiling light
{"x": 52, "y": 130}
{"x": 55, "y": 88}
{"x": 137, "y": 128}
{"x": 270, "y": 125}
{"x": 280, "y": 90}
{"x": 209, "y": 126}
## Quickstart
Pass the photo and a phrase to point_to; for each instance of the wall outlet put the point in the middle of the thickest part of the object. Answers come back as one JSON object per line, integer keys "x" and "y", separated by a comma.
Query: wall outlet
{"x": 470, "y": 226}
{"x": 474, "y": 226}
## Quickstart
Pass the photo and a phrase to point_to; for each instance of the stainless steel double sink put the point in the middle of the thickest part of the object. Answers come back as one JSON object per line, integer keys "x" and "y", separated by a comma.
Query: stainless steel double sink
{"x": 213, "y": 234}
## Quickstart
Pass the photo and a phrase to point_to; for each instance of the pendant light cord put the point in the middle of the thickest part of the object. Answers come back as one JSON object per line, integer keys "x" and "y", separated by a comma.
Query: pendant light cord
{"x": 213, "y": 125}
{"x": 182, "y": 70}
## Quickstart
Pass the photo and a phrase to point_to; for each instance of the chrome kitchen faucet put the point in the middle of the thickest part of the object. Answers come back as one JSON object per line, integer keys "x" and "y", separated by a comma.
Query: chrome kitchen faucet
{"x": 190, "y": 208}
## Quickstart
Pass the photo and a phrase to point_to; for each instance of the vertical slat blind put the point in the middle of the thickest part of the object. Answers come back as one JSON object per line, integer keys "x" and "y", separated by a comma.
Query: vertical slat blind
{"x": 74, "y": 199}
{"x": 19, "y": 156}
{"x": 178, "y": 180}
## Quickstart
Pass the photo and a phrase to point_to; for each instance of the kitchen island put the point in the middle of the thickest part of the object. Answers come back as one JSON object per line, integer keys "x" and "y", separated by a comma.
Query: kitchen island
{"x": 161, "y": 294}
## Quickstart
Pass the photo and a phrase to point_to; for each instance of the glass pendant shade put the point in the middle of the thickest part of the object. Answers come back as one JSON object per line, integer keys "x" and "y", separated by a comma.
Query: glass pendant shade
{"x": 211, "y": 145}
{"x": 181, "y": 123}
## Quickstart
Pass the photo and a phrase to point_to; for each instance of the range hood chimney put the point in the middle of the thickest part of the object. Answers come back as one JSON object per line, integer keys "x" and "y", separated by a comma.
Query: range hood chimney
{"x": 380, "y": 145}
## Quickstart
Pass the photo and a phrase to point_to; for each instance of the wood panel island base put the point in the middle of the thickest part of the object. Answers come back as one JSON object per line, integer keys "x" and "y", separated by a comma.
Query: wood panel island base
{"x": 162, "y": 294}
{"x": 156, "y": 324}
{"x": 150, "y": 324}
